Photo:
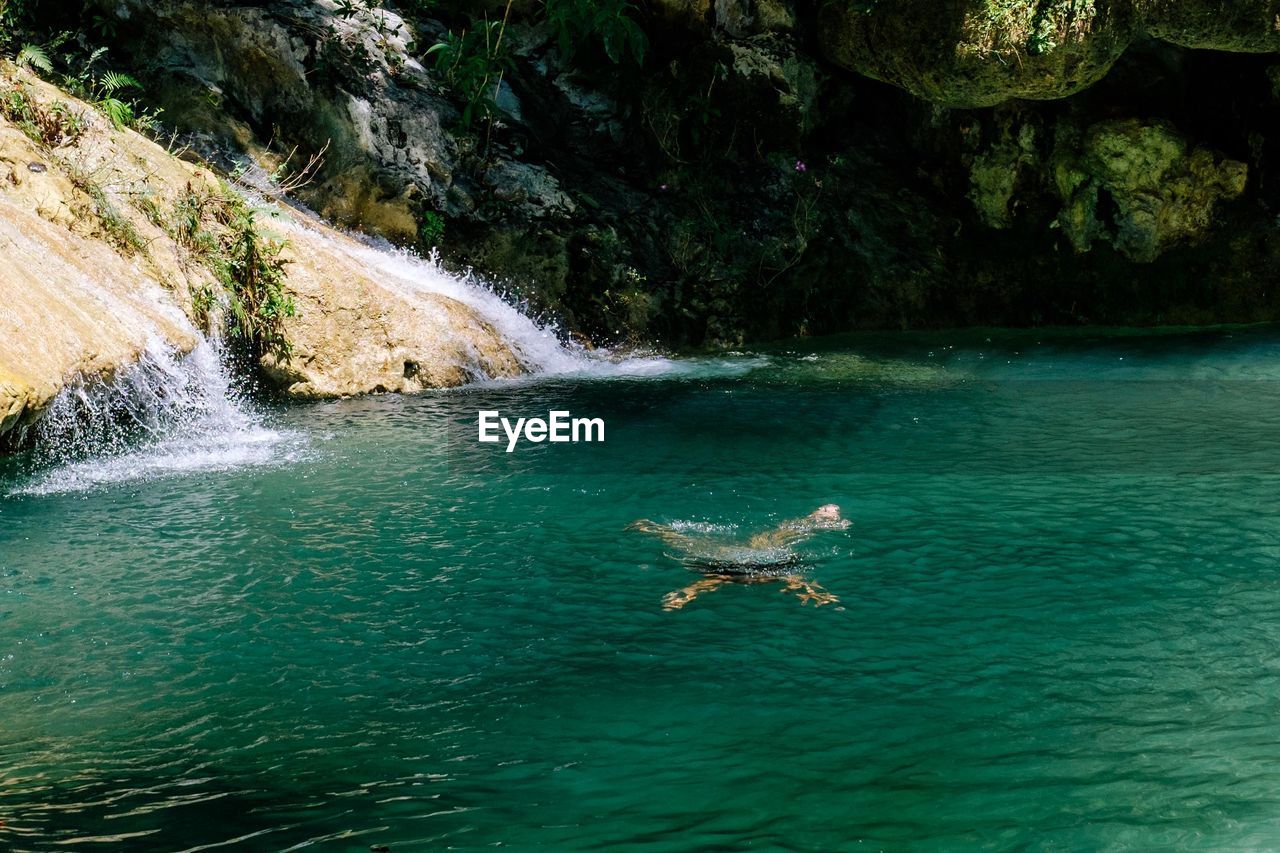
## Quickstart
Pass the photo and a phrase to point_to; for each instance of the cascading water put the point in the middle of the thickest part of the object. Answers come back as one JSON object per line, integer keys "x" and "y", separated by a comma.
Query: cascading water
{"x": 171, "y": 413}
{"x": 540, "y": 350}
{"x": 166, "y": 413}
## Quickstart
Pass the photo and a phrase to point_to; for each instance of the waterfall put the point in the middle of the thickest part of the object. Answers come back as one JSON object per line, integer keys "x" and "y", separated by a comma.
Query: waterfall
{"x": 165, "y": 414}
{"x": 171, "y": 413}
{"x": 537, "y": 345}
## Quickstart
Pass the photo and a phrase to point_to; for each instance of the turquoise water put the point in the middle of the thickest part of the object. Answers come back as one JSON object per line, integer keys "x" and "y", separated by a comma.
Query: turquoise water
{"x": 1059, "y": 624}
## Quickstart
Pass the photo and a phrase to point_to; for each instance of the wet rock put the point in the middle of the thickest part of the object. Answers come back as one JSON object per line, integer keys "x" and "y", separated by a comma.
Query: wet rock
{"x": 361, "y": 330}
{"x": 93, "y": 276}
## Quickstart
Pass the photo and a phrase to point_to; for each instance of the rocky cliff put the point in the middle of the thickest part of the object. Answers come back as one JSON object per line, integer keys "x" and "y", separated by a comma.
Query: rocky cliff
{"x": 767, "y": 167}
{"x": 109, "y": 243}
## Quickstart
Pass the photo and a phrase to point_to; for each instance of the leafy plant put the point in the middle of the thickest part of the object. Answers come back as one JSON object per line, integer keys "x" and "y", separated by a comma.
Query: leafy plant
{"x": 118, "y": 229}
{"x": 106, "y": 91}
{"x": 430, "y": 229}
{"x": 253, "y": 274}
{"x": 54, "y": 125}
{"x": 14, "y": 16}
{"x": 472, "y": 63}
{"x": 223, "y": 232}
{"x": 34, "y": 56}
{"x": 608, "y": 23}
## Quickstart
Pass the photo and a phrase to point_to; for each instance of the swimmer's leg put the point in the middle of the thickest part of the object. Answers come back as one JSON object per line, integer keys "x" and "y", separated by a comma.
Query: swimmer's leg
{"x": 681, "y": 597}
{"x": 806, "y": 591}
{"x": 665, "y": 533}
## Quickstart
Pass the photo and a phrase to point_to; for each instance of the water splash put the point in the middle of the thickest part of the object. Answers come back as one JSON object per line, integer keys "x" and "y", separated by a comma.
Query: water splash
{"x": 166, "y": 414}
{"x": 539, "y": 347}
{"x": 172, "y": 414}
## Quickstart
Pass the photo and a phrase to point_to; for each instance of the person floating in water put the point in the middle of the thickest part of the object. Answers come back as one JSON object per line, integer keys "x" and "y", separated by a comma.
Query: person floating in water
{"x": 767, "y": 557}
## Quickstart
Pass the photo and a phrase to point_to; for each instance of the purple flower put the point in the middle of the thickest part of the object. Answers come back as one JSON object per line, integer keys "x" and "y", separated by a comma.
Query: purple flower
{"x": 801, "y": 167}
{"x": 663, "y": 187}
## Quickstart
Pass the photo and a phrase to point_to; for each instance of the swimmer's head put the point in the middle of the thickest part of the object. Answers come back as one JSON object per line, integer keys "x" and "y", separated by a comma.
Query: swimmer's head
{"x": 828, "y": 515}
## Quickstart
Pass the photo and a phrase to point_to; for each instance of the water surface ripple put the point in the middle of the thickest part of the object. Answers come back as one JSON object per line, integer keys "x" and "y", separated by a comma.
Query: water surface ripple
{"x": 1060, "y": 608}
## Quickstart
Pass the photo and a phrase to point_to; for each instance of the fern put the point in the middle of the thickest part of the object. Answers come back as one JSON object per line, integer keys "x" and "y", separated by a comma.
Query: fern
{"x": 34, "y": 56}
{"x": 608, "y": 23}
{"x": 120, "y": 113}
{"x": 113, "y": 82}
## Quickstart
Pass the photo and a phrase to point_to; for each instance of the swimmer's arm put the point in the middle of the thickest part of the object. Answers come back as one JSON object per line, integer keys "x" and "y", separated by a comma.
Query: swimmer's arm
{"x": 663, "y": 531}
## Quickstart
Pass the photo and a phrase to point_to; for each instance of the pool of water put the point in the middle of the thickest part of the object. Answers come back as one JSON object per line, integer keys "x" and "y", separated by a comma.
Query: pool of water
{"x": 1058, "y": 627}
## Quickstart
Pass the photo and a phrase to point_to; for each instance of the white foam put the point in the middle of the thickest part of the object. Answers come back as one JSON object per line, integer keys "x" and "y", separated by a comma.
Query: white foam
{"x": 170, "y": 415}
{"x": 165, "y": 415}
{"x": 538, "y": 346}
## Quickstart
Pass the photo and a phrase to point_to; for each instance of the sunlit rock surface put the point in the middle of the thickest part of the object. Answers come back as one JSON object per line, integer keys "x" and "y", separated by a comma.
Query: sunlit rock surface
{"x": 92, "y": 277}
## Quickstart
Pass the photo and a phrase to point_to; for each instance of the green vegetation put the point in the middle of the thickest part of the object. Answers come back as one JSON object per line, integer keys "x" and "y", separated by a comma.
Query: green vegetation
{"x": 610, "y": 24}
{"x": 117, "y": 228}
{"x": 54, "y": 125}
{"x": 104, "y": 88}
{"x": 223, "y": 232}
{"x": 472, "y": 63}
{"x": 430, "y": 229}
{"x": 1032, "y": 27}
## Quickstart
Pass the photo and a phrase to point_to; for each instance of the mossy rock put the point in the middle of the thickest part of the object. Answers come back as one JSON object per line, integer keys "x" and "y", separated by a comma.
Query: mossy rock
{"x": 978, "y": 53}
{"x": 1141, "y": 186}
{"x": 1240, "y": 26}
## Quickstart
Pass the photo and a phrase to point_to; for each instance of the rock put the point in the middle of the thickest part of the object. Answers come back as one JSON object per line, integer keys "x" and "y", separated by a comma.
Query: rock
{"x": 996, "y": 171}
{"x": 1242, "y": 26}
{"x": 693, "y": 15}
{"x": 94, "y": 276}
{"x": 743, "y": 18}
{"x": 361, "y": 327}
{"x": 976, "y": 54}
{"x": 770, "y": 88}
{"x": 71, "y": 309}
{"x": 1141, "y": 186}
{"x": 311, "y": 76}
{"x": 530, "y": 188}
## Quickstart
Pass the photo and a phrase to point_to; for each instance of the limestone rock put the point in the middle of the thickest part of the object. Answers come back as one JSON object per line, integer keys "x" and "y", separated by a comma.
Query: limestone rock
{"x": 71, "y": 309}
{"x": 383, "y": 117}
{"x": 93, "y": 277}
{"x": 361, "y": 328}
{"x": 1141, "y": 186}
{"x": 974, "y": 53}
{"x": 1242, "y": 26}
{"x": 996, "y": 171}
{"x": 970, "y": 53}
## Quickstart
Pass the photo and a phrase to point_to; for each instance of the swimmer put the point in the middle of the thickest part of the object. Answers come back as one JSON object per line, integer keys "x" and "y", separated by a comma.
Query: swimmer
{"x": 766, "y": 557}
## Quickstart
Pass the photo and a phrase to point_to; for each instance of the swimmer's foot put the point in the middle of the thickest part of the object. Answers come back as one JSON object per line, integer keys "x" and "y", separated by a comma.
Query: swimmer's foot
{"x": 807, "y": 592}
{"x": 818, "y": 597}
{"x": 676, "y": 600}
